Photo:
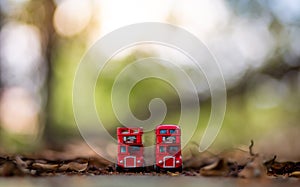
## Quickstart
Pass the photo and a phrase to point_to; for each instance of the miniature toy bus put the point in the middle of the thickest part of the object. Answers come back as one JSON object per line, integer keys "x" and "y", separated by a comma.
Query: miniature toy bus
{"x": 168, "y": 148}
{"x": 130, "y": 148}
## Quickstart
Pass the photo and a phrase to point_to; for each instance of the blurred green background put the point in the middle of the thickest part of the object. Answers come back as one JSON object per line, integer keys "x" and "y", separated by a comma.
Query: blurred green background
{"x": 256, "y": 43}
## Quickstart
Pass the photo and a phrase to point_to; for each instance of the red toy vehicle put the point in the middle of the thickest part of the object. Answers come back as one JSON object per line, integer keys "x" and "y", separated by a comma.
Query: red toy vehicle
{"x": 168, "y": 148}
{"x": 130, "y": 148}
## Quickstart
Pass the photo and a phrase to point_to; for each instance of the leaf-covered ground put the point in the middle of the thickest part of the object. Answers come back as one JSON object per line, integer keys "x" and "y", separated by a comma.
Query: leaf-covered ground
{"x": 230, "y": 164}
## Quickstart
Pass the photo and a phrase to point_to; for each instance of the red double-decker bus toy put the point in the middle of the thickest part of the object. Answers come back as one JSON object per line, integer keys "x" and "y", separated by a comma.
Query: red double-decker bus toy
{"x": 130, "y": 148}
{"x": 168, "y": 148}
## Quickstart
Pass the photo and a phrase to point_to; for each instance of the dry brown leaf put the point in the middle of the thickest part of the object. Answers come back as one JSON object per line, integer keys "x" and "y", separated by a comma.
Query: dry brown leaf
{"x": 218, "y": 168}
{"x": 74, "y": 166}
{"x": 190, "y": 173}
{"x": 237, "y": 156}
{"x": 173, "y": 174}
{"x": 281, "y": 168}
{"x": 20, "y": 162}
{"x": 194, "y": 159}
{"x": 253, "y": 169}
{"x": 96, "y": 163}
{"x": 42, "y": 166}
{"x": 295, "y": 174}
{"x": 10, "y": 169}
{"x": 22, "y": 165}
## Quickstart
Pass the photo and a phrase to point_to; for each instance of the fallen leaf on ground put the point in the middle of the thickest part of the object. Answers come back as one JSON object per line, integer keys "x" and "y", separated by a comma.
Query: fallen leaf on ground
{"x": 42, "y": 166}
{"x": 173, "y": 174}
{"x": 238, "y": 156}
{"x": 281, "y": 168}
{"x": 196, "y": 160}
{"x": 10, "y": 169}
{"x": 253, "y": 169}
{"x": 295, "y": 174}
{"x": 218, "y": 168}
{"x": 74, "y": 166}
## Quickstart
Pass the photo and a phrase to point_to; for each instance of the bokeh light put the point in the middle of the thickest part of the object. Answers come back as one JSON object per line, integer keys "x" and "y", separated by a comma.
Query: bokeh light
{"x": 18, "y": 112}
{"x": 71, "y": 17}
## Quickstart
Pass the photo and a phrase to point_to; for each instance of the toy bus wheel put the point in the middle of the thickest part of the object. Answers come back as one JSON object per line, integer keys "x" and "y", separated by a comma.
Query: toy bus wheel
{"x": 156, "y": 169}
{"x": 143, "y": 169}
{"x": 179, "y": 169}
{"x": 118, "y": 169}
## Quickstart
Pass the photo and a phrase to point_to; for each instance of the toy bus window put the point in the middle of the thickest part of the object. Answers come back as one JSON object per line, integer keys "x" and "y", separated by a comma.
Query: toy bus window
{"x": 163, "y": 131}
{"x": 162, "y": 149}
{"x": 169, "y": 139}
{"x": 132, "y": 149}
{"x": 173, "y": 149}
{"x": 123, "y": 149}
{"x": 129, "y": 138}
{"x": 173, "y": 131}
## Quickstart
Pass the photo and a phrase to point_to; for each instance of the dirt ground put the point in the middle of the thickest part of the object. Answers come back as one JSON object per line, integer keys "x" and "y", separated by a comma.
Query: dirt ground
{"x": 233, "y": 167}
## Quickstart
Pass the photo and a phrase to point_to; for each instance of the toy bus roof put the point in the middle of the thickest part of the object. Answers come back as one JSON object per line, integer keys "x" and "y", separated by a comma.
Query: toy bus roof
{"x": 167, "y": 126}
{"x": 130, "y": 130}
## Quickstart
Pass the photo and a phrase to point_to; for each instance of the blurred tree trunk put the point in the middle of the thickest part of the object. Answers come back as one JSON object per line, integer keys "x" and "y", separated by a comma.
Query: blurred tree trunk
{"x": 49, "y": 40}
{"x": 41, "y": 15}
